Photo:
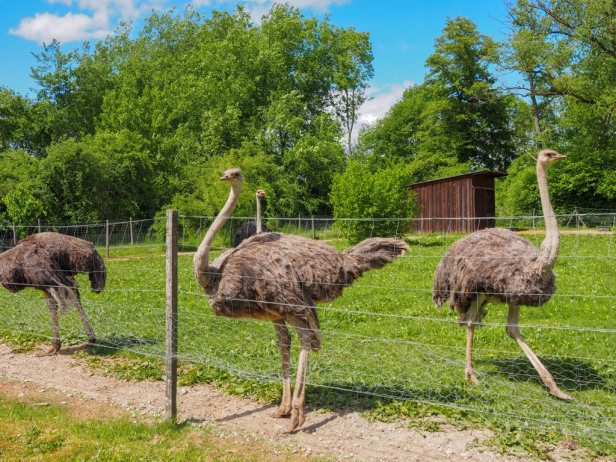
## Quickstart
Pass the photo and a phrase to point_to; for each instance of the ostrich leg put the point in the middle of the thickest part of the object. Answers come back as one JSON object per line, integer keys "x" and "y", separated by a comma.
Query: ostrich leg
{"x": 298, "y": 413}
{"x": 468, "y": 369}
{"x": 53, "y": 311}
{"x": 471, "y": 317}
{"x": 284, "y": 344}
{"x": 74, "y": 294}
{"x": 544, "y": 374}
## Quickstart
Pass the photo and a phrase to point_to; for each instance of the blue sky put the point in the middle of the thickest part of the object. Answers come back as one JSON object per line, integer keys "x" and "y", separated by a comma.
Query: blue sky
{"x": 402, "y": 32}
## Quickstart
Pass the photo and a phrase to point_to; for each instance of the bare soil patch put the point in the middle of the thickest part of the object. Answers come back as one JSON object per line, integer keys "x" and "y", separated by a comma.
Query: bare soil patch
{"x": 342, "y": 436}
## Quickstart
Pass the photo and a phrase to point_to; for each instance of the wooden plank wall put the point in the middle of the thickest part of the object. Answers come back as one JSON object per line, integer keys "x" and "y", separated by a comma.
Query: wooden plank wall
{"x": 451, "y": 205}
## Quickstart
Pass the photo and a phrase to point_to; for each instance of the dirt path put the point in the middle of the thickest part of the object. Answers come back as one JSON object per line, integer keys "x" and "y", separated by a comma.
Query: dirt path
{"x": 343, "y": 436}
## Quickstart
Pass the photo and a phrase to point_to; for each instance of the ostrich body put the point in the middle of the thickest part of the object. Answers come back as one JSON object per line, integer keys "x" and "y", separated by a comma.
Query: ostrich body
{"x": 252, "y": 227}
{"x": 48, "y": 262}
{"x": 496, "y": 265}
{"x": 281, "y": 277}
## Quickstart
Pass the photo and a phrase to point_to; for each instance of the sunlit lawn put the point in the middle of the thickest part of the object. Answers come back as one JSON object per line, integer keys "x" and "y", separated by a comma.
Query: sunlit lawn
{"x": 383, "y": 340}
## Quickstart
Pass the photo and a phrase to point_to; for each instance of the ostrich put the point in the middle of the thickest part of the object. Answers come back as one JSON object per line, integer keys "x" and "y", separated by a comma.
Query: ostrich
{"x": 48, "y": 262}
{"x": 496, "y": 265}
{"x": 281, "y": 277}
{"x": 252, "y": 227}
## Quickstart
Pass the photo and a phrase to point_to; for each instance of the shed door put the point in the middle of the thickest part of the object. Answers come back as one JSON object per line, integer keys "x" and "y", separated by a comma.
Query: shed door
{"x": 484, "y": 208}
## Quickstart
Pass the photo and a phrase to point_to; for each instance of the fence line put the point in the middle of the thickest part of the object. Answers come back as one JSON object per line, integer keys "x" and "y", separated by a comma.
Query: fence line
{"x": 383, "y": 338}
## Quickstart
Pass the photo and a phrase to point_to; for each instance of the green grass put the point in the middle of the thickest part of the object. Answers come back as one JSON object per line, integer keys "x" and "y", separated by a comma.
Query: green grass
{"x": 387, "y": 350}
{"x": 31, "y": 429}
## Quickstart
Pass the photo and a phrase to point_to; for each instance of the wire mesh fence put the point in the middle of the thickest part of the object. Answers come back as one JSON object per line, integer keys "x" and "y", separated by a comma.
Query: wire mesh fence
{"x": 383, "y": 338}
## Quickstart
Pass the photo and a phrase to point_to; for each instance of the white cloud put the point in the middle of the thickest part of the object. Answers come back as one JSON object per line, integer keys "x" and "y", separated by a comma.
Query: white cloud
{"x": 380, "y": 100}
{"x": 96, "y": 19}
{"x": 44, "y": 27}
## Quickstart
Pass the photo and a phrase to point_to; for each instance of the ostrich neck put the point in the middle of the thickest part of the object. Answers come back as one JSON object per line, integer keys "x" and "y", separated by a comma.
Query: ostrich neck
{"x": 202, "y": 269}
{"x": 259, "y": 225}
{"x": 551, "y": 243}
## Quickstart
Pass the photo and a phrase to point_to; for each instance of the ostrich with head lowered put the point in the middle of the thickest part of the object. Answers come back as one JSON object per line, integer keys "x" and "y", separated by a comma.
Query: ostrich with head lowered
{"x": 496, "y": 265}
{"x": 281, "y": 277}
{"x": 48, "y": 262}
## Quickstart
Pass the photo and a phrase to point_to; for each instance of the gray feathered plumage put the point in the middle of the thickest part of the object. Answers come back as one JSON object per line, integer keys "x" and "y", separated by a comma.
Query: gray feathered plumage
{"x": 280, "y": 277}
{"x": 276, "y": 276}
{"x": 495, "y": 262}
{"x": 498, "y": 266}
{"x": 49, "y": 262}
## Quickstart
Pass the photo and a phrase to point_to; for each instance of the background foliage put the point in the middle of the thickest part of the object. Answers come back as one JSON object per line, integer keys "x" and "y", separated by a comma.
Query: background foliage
{"x": 147, "y": 119}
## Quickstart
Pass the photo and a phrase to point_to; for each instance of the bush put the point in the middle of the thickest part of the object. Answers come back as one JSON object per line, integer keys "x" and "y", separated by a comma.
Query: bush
{"x": 361, "y": 195}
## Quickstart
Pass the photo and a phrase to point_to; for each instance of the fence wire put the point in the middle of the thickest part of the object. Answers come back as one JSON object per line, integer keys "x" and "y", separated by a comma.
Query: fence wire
{"x": 382, "y": 338}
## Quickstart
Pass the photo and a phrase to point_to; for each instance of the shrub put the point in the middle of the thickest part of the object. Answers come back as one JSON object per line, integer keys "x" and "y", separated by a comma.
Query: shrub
{"x": 361, "y": 195}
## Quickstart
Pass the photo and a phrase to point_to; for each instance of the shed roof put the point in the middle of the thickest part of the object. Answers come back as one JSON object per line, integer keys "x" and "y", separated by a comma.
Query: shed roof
{"x": 488, "y": 173}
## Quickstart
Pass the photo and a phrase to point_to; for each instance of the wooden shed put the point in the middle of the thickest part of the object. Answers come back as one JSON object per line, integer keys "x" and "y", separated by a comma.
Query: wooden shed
{"x": 457, "y": 204}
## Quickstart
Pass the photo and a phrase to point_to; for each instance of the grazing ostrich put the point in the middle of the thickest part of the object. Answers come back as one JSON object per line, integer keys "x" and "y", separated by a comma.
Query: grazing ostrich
{"x": 48, "y": 262}
{"x": 496, "y": 265}
{"x": 281, "y": 277}
{"x": 252, "y": 227}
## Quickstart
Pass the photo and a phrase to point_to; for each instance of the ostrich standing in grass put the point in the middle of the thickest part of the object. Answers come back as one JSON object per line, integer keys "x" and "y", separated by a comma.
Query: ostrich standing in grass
{"x": 496, "y": 265}
{"x": 48, "y": 262}
{"x": 280, "y": 277}
{"x": 252, "y": 227}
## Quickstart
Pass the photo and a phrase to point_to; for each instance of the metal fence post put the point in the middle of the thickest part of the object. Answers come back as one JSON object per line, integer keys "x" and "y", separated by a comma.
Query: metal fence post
{"x": 107, "y": 239}
{"x": 172, "y": 312}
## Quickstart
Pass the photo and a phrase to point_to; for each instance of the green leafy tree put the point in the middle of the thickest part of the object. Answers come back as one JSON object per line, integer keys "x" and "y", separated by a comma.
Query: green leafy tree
{"x": 22, "y": 207}
{"x": 566, "y": 53}
{"x": 474, "y": 115}
{"x": 369, "y": 194}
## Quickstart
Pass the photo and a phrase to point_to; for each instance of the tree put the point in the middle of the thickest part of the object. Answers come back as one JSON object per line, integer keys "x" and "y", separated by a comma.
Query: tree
{"x": 567, "y": 54}
{"x": 22, "y": 207}
{"x": 371, "y": 193}
{"x": 353, "y": 71}
{"x": 476, "y": 115}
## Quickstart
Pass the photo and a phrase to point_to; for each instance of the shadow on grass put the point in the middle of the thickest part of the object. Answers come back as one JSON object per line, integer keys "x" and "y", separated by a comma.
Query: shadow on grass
{"x": 569, "y": 374}
{"x": 110, "y": 345}
{"x": 344, "y": 398}
{"x": 417, "y": 243}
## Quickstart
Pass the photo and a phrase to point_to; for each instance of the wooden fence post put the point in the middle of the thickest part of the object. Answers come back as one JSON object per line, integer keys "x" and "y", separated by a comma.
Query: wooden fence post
{"x": 172, "y": 315}
{"x": 107, "y": 239}
{"x": 130, "y": 224}
{"x": 39, "y": 225}
{"x": 14, "y": 235}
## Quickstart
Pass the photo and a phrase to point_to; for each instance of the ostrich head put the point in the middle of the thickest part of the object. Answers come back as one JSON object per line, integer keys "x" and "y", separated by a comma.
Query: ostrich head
{"x": 547, "y": 157}
{"x": 260, "y": 193}
{"x": 233, "y": 176}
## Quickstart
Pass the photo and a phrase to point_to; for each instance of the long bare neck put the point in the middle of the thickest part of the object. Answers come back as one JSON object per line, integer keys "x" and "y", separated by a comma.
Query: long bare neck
{"x": 551, "y": 243}
{"x": 259, "y": 225}
{"x": 202, "y": 270}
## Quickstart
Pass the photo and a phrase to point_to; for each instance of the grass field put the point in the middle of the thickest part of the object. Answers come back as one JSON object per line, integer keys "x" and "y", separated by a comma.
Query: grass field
{"x": 387, "y": 350}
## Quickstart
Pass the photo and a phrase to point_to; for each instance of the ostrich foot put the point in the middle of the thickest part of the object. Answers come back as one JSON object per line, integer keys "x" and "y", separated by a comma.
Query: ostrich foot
{"x": 51, "y": 352}
{"x": 281, "y": 412}
{"x": 74, "y": 349}
{"x": 298, "y": 416}
{"x": 560, "y": 394}
{"x": 470, "y": 374}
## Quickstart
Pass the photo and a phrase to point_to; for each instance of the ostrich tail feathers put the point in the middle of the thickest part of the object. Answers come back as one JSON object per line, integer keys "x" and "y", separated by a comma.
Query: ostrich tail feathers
{"x": 440, "y": 288}
{"x": 98, "y": 273}
{"x": 315, "y": 335}
{"x": 376, "y": 252}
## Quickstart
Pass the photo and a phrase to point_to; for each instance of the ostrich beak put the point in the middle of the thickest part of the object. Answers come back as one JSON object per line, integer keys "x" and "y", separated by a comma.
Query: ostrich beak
{"x": 261, "y": 193}
{"x": 560, "y": 156}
